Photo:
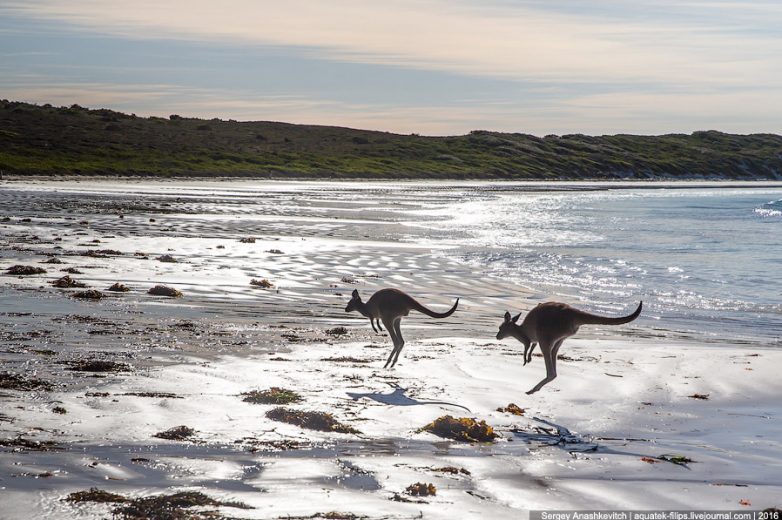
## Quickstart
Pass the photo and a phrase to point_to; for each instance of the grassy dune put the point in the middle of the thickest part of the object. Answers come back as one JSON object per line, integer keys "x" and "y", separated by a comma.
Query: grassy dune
{"x": 46, "y": 140}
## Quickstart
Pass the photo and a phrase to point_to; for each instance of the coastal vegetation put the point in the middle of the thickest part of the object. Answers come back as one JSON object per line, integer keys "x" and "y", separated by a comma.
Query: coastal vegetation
{"x": 48, "y": 140}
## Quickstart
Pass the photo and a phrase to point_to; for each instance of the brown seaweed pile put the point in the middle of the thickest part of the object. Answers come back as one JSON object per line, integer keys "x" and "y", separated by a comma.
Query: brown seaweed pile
{"x": 462, "y": 429}
{"x": 320, "y": 421}
{"x": 513, "y": 409}
{"x": 25, "y": 270}
{"x": 162, "y": 290}
{"x": 421, "y": 489}
{"x": 160, "y": 507}
{"x": 177, "y": 433}
{"x": 91, "y": 294}
{"x": 274, "y": 395}
{"x": 11, "y": 381}
{"x": 98, "y": 365}
{"x": 67, "y": 282}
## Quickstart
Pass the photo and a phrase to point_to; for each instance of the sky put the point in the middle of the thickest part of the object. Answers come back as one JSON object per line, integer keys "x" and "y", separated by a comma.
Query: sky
{"x": 433, "y": 67}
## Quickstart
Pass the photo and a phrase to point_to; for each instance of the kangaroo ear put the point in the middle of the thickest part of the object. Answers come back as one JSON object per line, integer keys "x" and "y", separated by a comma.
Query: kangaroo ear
{"x": 516, "y": 318}
{"x": 355, "y": 293}
{"x": 507, "y": 316}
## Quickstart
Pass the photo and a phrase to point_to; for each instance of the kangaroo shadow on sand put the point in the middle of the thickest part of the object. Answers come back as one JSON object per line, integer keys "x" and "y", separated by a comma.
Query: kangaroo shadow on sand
{"x": 398, "y": 398}
{"x": 550, "y": 434}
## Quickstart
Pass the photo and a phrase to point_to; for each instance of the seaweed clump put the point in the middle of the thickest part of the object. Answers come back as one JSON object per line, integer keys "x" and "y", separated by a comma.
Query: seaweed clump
{"x": 25, "y": 270}
{"x": 421, "y": 489}
{"x": 513, "y": 409}
{"x": 98, "y": 365}
{"x": 162, "y": 290}
{"x": 337, "y": 331}
{"x": 273, "y": 395}
{"x": 177, "y": 433}
{"x": 118, "y": 287}
{"x": 91, "y": 294}
{"x": 320, "y": 421}
{"x": 159, "y": 507}
{"x": 20, "y": 443}
{"x": 11, "y": 381}
{"x": 453, "y": 470}
{"x": 263, "y": 283}
{"x": 67, "y": 282}
{"x": 172, "y": 507}
{"x": 462, "y": 429}
{"x": 95, "y": 495}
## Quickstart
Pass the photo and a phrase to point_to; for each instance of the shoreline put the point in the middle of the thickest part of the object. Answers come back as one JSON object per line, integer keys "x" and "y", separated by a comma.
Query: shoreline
{"x": 661, "y": 183}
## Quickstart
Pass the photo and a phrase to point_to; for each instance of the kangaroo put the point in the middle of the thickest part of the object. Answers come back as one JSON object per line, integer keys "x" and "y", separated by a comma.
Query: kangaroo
{"x": 389, "y": 306}
{"x": 549, "y": 324}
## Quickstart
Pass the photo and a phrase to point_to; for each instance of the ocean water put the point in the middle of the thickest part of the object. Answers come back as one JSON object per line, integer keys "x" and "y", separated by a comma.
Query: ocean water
{"x": 706, "y": 261}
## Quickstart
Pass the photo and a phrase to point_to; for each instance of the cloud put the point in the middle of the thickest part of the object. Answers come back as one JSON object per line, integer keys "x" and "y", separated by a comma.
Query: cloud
{"x": 521, "y": 40}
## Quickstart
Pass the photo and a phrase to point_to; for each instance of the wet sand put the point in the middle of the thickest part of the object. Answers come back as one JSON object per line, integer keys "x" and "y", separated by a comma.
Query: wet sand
{"x": 622, "y": 400}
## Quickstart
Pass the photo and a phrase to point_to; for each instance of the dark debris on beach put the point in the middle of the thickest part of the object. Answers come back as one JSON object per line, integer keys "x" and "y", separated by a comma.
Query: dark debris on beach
{"x": 320, "y": 421}
{"x": 462, "y": 429}
{"x": 11, "y": 381}
{"x": 274, "y": 395}
{"x": 25, "y": 270}
{"x": 177, "y": 433}
{"x": 177, "y": 506}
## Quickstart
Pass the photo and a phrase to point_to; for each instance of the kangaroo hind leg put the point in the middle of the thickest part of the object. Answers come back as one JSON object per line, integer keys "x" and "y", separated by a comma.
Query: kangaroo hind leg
{"x": 394, "y": 339}
{"x": 398, "y": 330}
{"x": 547, "y": 347}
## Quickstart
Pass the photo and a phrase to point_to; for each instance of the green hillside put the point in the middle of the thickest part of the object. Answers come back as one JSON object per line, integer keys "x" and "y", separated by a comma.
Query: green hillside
{"x": 46, "y": 140}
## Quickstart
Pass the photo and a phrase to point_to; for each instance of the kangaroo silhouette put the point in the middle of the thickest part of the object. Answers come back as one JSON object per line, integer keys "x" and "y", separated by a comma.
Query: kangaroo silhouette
{"x": 390, "y": 306}
{"x": 550, "y": 324}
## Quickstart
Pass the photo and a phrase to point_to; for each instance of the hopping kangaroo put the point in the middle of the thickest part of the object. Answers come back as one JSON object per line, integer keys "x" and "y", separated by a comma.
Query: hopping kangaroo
{"x": 550, "y": 324}
{"x": 389, "y": 306}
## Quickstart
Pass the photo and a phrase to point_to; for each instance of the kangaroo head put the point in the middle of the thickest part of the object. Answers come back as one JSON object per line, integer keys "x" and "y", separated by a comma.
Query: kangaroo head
{"x": 509, "y": 328}
{"x": 354, "y": 302}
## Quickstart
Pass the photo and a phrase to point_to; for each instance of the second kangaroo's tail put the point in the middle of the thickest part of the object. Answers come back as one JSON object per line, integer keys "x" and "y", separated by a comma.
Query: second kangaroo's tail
{"x": 585, "y": 318}
{"x": 420, "y": 308}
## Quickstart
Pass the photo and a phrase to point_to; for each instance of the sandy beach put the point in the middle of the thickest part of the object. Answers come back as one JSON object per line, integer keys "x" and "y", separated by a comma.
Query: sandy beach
{"x": 640, "y": 417}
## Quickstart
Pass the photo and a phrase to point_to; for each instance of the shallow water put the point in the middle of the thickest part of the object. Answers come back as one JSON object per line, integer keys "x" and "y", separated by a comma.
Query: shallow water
{"x": 703, "y": 260}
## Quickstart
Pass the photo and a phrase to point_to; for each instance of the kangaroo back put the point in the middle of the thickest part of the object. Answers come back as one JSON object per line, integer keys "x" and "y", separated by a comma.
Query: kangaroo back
{"x": 420, "y": 308}
{"x": 585, "y": 318}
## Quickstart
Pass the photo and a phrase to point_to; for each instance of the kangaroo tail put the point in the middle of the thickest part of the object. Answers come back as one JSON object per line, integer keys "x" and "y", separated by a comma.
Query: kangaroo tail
{"x": 585, "y": 318}
{"x": 420, "y": 308}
